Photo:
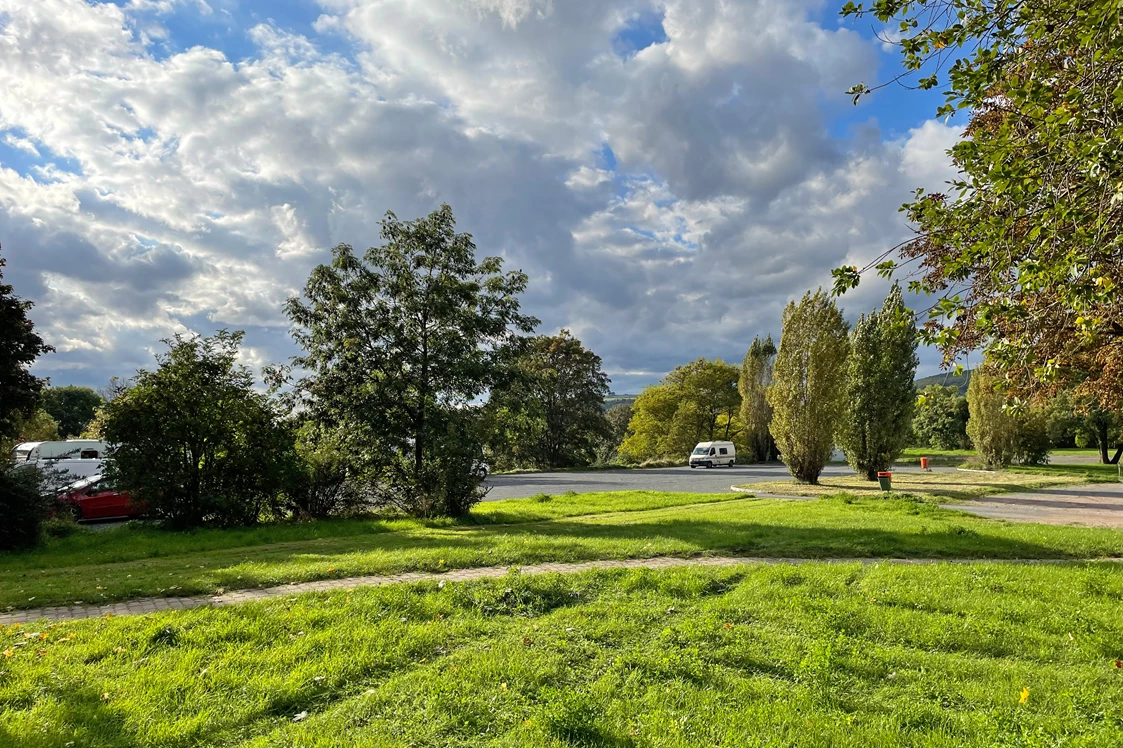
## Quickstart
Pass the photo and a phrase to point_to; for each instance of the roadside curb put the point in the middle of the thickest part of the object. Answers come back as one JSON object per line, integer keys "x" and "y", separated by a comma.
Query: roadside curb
{"x": 148, "y": 605}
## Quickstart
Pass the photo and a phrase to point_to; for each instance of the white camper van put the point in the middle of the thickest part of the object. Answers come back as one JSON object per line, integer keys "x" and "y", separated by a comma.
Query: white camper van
{"x": 73, "y": 458}
{"x": 713, "y": 454}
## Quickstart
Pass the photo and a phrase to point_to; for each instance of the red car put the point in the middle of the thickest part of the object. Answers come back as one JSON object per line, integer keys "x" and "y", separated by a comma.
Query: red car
{"x": 98, "y": 498}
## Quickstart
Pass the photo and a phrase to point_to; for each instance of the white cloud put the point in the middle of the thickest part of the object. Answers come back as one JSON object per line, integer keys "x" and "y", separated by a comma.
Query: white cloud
{"x": 189, "y": 191}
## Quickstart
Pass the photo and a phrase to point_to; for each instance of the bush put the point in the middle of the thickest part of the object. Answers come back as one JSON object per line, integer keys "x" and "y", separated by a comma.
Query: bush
{"x": 448, "y": 482}
{"x": 23, "y": 507}
{"x": 62, "y": 525}
{"x": 195, "y": 442}
{"x": 1031, "y": 440}
{"x": 327, "y": 481}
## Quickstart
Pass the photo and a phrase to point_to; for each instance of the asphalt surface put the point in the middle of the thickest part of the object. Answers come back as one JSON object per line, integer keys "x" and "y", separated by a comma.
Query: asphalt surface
{"x": 681, "y": 479}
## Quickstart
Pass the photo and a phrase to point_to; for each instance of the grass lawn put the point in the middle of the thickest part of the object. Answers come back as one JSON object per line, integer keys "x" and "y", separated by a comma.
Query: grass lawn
{"x": 937, "y": 457}
{"x": 936, "y": 486}
{"x": 132, "y": 562}
{"x": 815, "y": 655}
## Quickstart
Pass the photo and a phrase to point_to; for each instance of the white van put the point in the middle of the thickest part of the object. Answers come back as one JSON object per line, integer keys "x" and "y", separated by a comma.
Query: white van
{"x": 73, "y": 458}
{"x": 713, "y": 454}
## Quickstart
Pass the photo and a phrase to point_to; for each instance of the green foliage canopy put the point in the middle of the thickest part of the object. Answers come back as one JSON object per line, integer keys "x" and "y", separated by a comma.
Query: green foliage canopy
{"x": 19, "y": 347}
{"x": 695, "y": 402}
{"x": 398, "y": 343}
{"x": 73, "y": 407}
{"x": 1025, "y": 252}
{"x": 551, "y": 412}
{"x": 940, "y": 418}
{"x": 195, "y": 442}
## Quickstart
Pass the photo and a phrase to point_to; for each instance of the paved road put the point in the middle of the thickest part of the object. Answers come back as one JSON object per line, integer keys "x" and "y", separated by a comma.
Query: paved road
{"x": 680, "y": 479}
{"x": 1096, "y": 505}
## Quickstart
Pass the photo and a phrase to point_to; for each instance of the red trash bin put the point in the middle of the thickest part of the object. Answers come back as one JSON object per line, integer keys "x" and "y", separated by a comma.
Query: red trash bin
{"x": 923, "y": 463}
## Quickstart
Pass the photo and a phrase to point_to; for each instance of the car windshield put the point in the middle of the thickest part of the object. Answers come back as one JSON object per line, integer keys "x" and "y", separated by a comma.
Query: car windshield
{"x": 701, "y": 451}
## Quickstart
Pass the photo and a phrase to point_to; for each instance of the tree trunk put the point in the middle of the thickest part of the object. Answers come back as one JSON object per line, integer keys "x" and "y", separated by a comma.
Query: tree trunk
{"x": 1115, "y": 460}
{"x": 1101, "y": 442}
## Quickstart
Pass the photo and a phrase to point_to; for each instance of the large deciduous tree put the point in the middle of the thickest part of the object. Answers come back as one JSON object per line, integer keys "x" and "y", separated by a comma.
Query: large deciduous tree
{"x": 695, "y": 402}
{"x": 551, "y": 412}
{"x": 880, "y": 396}
{"x": 73, "y": 407}
{"x": 398, "y": 343}
{"x": 808, "y": 392}
{"x": 756, "y": 413}
{"x": 19, "y": 347}
{"x": 195, "y": 442}
{"x": 23, "y": 505}
{"x": 1025, "y": 251}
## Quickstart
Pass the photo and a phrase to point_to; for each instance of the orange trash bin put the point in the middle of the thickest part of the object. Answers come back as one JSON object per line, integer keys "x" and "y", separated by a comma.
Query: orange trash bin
{"x": 923, "y": 463}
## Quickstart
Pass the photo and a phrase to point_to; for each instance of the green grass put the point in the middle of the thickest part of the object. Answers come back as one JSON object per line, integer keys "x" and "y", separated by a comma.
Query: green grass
{"x": 125, "y": 563}
{"x": 937, "y": 457}
{"x": 1085, "y": 472}
{"x": 938, "y": 486}
{"x": 812, "y": 655}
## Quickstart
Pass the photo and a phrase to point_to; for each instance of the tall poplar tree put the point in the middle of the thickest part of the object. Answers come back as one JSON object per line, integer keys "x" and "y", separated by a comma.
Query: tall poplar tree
{"x": 756, "y": 413}
{"x": 809, "y": 384}
{"x": 880, "y": 395}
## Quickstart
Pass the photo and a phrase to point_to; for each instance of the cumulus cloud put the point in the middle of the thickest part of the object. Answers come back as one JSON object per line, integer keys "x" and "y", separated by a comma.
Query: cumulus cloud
{"x": 667, "y": 201}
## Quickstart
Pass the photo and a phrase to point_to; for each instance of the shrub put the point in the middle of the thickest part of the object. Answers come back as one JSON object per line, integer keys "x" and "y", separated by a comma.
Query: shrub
{"x": 195, "y": 442}
{"x": 23, "y": 506}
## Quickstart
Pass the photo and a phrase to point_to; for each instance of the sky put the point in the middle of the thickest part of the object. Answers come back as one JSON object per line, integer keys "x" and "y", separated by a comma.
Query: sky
{"x": 669, "y": 173}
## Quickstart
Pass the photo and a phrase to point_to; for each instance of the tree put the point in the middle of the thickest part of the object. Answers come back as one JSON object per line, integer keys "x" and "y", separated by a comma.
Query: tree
{"x": 19, "y": 347}
{"x": 23, "y": 504}
{"x": 880, "y": 394}
{"x": 553, "y": 407}
{"x": 756, "y": 413}
{"x": 397, "y": 345}
{"x": 809, "y": 384}
{"x": 1024, "y": 255}
{"x": 940, "y": 419}
{"x": 992, "y": 428}
{"x": 1104, "y": 429}
{"x": 73, "y": 407}
{"x": 608, "y": 446}
{"x": 695, "y": 402}
{"x": 195, "y": 442}
{"x": 38, "y": 427}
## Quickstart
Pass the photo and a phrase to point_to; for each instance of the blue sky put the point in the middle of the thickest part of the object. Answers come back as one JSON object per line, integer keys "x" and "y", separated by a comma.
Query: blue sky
{"x": 670, "y": 174}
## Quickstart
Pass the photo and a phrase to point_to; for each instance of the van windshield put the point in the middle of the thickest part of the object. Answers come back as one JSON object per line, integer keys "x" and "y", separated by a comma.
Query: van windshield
{"x": 702, "y": 451}
{"x": 21, "y": 455}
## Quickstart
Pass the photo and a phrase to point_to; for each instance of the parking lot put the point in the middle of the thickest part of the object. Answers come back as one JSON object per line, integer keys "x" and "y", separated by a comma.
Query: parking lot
{"x": 699, "y": 480}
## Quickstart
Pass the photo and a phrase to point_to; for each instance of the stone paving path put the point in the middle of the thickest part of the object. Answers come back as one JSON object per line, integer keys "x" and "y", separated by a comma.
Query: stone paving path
{"x": 146, "y": 605}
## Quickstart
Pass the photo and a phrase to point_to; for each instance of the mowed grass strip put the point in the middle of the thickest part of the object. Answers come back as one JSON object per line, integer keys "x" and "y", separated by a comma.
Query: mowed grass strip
{"x": 839, "y": 527}
{"x": 814, "y": 655}
{"x": 941, "y": 485}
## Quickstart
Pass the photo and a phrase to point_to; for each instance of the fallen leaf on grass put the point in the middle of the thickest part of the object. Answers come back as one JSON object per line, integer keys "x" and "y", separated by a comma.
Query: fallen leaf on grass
{"x": 300, "y": 717}
{"x": 1024, "y": 697}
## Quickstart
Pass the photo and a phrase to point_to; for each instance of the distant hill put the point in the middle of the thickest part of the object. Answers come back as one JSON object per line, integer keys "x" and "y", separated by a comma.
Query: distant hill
{"x": 946, "y": 379}
{"x": 615, "y": 399}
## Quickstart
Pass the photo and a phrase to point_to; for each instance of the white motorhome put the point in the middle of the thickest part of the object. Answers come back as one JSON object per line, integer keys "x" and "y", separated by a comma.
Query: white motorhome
{"x": 73, "y": 458}
{"x": 713, "y": 454}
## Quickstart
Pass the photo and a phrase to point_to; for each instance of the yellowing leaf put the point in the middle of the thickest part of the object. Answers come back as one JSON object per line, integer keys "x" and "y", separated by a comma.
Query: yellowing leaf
{"x": 1025, "y": 696}
{"x": 9, "y": 652}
